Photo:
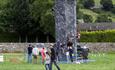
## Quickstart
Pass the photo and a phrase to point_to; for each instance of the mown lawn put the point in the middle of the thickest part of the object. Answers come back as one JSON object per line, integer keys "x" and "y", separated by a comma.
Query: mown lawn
{"x": 103, "y": 62}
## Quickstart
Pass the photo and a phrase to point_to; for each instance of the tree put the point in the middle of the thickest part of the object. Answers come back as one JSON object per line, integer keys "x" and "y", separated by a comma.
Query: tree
{"x": 103, "y": 18}
{"x": 87, "y": 18}
{"x": 113, "y": 10}
{"x": 80, "y": 3}
{"x": 17, "y": 17}
{"x": 49, "y": 26}
{"x": 42, "y": 10}
{"x": 88, "y": 3}
{"x": 107, "y": 4}
{"x": 28, "y": 17}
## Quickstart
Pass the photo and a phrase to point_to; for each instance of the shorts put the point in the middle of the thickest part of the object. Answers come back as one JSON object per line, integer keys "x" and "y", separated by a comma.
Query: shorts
{"x": 35, "y": 56}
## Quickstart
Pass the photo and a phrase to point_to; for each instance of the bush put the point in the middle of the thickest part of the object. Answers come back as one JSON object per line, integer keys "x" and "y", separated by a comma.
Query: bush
{"x": 103, "y": 18}
{"x": 98, "y": 36}
{"x": 97, "y": 10}
{"x": 113, "y": 10}
{"x": 87, "y": 18}
{"x": 107, "y": 4}
{"x": 88, "y": 3}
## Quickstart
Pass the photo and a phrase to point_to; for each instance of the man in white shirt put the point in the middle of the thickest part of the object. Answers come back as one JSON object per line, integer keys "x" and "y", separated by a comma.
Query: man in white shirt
{"x": 35, "y": 53}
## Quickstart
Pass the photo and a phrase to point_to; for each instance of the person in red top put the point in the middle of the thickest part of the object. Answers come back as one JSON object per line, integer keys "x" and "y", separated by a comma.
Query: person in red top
{"x": 43, "y": 55}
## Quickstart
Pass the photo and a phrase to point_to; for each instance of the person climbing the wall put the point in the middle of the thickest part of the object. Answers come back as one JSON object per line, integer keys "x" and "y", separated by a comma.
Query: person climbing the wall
{"x": 70, "y": 49}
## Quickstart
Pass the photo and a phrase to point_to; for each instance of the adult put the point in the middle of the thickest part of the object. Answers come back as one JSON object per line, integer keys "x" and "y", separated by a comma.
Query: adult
{"x": 43, "y": 55}
{"x": 79, "y": 52}
{"x": 53, "y": 58}
{"x": 70, "y": 49}
{"x": 29, "y": 49}
{"x": 35, "y": 52}
{"x": 85, "y": 52}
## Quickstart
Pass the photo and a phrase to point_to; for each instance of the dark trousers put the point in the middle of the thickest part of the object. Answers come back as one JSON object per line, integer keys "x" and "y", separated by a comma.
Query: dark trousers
{"x": 54, "y": 61}
{"x": 47, "y": 66}
{"x": 71, "y": 57}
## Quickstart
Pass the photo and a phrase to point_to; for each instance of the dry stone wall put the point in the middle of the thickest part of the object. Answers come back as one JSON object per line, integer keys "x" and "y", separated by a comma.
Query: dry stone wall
{"x": 21, "y": 47}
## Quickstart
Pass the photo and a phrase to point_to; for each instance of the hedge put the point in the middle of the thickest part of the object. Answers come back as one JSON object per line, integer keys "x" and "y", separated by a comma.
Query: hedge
{"x": 93, "y": 36}
{"x": 98, "y": 36}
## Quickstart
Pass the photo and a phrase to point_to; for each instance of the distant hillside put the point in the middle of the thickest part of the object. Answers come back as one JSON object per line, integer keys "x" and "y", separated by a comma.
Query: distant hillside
{"x": 97, "y": 11}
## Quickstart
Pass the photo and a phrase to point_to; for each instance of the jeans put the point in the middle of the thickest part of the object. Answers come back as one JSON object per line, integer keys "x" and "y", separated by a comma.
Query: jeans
{"x": 54, "y": 61}
{"x": 47, "y": 66}
{"x": 29, "y": 58}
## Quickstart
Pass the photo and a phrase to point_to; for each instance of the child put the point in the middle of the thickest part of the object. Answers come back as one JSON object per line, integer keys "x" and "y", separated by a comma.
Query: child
{"x": 47, "y": 61}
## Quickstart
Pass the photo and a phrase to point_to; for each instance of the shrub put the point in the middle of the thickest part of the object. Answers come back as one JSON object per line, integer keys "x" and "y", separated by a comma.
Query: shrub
{"x": 88, "y": 3}
{"x": 87, "y": 18}
{"x": 98, "y": 36}
{"x": 107, "y": 4}
{"x": 103, "y": 18}
{"x": 97, "y": 10}
{"x": 113, "y": 10}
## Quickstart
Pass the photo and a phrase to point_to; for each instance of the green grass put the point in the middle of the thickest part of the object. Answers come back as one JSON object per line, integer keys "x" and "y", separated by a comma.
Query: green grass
{"x": 103, "y": 62}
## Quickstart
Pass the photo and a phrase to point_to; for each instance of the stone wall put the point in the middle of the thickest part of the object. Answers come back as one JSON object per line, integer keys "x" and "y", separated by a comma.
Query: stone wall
{"x": 96, "y": 26}
{"x": 20, "y": 47}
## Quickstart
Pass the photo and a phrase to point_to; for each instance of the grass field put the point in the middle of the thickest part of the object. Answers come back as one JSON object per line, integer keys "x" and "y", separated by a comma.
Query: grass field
{"x": 103, "y": 62}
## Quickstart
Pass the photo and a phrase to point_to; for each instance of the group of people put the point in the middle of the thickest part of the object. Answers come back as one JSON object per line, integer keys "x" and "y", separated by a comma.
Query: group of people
{"x": 48, "y": 56}
{"x": 82, "y": 52}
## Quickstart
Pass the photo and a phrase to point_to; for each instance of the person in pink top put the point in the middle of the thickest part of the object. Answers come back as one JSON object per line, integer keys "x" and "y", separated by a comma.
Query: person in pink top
{"x": 43, "y": 55}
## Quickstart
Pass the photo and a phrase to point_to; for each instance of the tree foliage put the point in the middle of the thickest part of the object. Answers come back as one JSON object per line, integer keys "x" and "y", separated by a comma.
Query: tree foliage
{"x": 87, "y": 18}
{"x": 42, "y": 13}
{"x": 107, "y": 4}
{"x": 98, "y": 36}
{"x": 28, "y": 17}
{"x": 103, "y": 18}
{"x": 113, "y": 10}
{"x": 88, "y": 3}
{"x": 16, "y": 16}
